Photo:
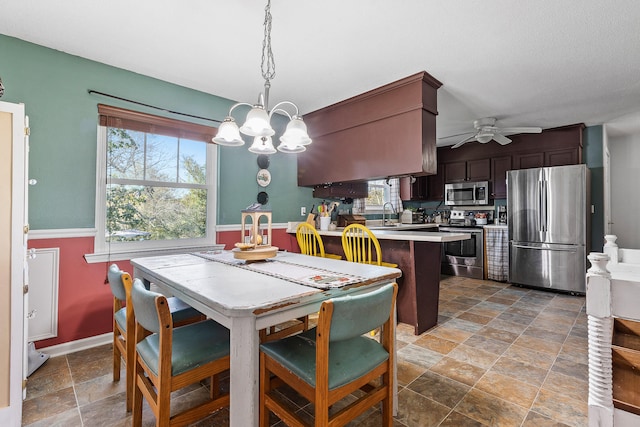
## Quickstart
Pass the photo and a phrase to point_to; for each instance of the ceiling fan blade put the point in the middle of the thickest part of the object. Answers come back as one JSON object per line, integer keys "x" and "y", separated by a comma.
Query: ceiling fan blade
{"x": 457, "y": 134}
{"x": 501, "y": 139}
{"x": 526, "y": 129}
{"x": 463, "y": 141}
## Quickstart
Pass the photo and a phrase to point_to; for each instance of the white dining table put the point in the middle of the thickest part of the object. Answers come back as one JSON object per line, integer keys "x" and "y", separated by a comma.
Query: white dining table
{"x": 246, "y": 301}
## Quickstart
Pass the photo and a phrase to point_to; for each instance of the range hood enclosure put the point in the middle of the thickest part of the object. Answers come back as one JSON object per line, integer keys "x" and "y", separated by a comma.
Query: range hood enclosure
{"x": 386, "y": 132}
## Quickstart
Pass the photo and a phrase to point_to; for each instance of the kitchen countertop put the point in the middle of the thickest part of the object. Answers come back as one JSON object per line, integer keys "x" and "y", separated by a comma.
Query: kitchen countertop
{"x": 495, "y": 226}
{"x": 408, "y": 232}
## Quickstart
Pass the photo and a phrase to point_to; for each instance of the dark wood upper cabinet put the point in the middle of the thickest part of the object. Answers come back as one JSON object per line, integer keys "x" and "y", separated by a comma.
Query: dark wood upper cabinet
{"x": 389, "y": 131}
{"x": 455, "y": 171}
{"x": 435, "y": 186}
{"x": 413, "y": 191}
{"x": 471, "y": 170}
{"x": 491, "y": 161}
{"x": 499, "y": 168}
{"x": 342, "y": 190}
{"x": 567, "y": 156}
{"x": 528, "y": 160}
{"x": 479, "y": 170}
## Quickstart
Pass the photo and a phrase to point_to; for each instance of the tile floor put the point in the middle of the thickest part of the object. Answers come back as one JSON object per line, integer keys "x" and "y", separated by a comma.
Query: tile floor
{"x": 500, "y": 356}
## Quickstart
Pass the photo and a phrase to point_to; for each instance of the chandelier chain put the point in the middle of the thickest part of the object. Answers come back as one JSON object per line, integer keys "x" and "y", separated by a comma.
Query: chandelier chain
{"x": 268, "y": 65}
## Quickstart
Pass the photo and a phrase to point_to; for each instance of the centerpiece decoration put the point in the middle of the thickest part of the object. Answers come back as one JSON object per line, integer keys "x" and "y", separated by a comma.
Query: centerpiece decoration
{"x": 255, "y": 241}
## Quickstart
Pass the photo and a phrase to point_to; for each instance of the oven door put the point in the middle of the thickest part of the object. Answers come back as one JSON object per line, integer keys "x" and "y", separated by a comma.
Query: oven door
{"x": 464, "y": 257}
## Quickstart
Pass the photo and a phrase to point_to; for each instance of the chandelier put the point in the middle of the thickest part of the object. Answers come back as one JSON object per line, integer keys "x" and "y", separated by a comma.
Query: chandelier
{"x": 258, "y": 121}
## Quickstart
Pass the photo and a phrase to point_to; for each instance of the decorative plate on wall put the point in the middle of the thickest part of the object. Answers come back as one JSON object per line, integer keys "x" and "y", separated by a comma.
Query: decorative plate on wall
{"x": 263, "y": 161}
{"x": 263, "y": 177}
{"x": 263, "y": 198}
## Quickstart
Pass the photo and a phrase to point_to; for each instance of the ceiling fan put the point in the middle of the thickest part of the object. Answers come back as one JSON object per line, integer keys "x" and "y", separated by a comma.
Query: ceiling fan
{"x": 486, "y": 130}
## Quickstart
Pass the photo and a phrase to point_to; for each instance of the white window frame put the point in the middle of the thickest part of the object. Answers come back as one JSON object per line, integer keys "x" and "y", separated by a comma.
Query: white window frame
{"x": 114, "y": 251}
{"x": 386, "y": 198}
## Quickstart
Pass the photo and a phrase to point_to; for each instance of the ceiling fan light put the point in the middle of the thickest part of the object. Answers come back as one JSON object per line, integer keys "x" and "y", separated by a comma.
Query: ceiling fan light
{"x": 228, "y": 133}
{"x": 484, "y": 138}
{"x": 262, "y": 145}
{"x": 257, "y": 123}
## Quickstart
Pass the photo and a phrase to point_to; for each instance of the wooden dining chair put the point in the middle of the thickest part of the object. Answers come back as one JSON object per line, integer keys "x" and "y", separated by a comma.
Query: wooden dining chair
{"x": 310, "y": 241}
{"x": 361, "y": 245}
{"x": 124, "y": 325}
{"x": 333, "y": 361}
{"x": 170, "y": 358}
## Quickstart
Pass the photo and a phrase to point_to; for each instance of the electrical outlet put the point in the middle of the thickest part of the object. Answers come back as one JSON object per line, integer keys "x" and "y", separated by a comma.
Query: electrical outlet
{"x": 303, "y": 211}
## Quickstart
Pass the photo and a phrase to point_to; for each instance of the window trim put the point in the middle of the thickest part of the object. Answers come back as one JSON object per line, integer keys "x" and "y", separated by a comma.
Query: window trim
{"x": 386, "y": 197}
{"x": 113, "y": 251}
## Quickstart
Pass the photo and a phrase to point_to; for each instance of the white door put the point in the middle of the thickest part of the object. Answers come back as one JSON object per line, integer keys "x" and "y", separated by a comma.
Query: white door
{"x": 13, "y": 238}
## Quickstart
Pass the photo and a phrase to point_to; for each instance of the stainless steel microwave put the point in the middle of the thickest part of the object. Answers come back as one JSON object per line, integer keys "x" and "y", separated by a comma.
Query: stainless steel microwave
{"x": 466, "y": 193}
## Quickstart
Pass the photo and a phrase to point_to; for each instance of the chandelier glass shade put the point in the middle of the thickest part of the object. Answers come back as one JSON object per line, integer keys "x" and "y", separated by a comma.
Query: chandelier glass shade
{"x": 258, "y": 121}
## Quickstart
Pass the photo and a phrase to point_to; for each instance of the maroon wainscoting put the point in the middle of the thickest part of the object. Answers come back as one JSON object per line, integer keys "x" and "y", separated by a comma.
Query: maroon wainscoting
{"x": 281, "y": 239}
{"x": 85, "y": 303}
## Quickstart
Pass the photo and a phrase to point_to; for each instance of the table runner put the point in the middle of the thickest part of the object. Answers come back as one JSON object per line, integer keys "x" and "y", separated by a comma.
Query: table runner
{"x": 296, "y": 273}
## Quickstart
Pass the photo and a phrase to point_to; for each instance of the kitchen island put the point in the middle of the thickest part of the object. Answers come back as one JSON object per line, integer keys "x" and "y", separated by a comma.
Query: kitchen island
{"x": 417, "y": 250}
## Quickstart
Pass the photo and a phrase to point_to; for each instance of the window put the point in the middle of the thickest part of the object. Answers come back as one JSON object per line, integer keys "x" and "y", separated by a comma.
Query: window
{"x": 380, "y": 192}
{"x": 155, "y": 183}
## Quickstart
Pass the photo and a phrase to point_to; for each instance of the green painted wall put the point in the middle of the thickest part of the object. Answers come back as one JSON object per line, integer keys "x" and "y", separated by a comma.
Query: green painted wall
{"x": 54, "y": 88}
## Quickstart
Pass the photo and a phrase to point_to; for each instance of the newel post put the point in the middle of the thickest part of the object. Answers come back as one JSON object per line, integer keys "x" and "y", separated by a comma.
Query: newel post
{"x": 600, "y": 330}
{"x": 611, "y": 248}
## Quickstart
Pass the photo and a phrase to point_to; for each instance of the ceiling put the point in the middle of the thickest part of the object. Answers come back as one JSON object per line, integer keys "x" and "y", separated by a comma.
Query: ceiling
{"x": 543, "y": 63}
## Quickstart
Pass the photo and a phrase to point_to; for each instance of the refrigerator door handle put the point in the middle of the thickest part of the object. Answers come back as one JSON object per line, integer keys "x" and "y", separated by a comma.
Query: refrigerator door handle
{"x": 543, "y": 213}
{"x": 540, "y": 206}
{"x": 540, "y": 248}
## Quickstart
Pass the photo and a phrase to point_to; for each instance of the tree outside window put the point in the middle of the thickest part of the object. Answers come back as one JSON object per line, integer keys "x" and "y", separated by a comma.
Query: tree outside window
{"x": 155, "y": 186}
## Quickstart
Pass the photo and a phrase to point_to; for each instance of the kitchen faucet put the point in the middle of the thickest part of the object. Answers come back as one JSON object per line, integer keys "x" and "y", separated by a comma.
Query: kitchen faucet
{"x": 384, "y": 210}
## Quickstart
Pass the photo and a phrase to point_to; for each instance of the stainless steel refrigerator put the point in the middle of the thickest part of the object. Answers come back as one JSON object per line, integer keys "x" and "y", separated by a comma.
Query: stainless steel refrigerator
{"x": 548, "y": 220}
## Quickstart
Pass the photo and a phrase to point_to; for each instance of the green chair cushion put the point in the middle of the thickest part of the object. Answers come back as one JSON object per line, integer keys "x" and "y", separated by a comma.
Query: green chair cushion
{"x": 193, "y": 345}
{"x": 121, "y": 318}
{"x": 180, "y": 311}
{"x": 348, "y": 359}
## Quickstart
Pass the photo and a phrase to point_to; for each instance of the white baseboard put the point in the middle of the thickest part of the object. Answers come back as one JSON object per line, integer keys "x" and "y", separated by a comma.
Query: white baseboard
{"x": 77, "y": 345}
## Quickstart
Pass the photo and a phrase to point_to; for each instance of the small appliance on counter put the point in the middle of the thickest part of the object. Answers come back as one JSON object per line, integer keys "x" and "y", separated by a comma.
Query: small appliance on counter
{"x": 406, "y": 217}
{"x": 481, "y": 218}
{"x": 412, "y": 217}
{"x": 502, "y": 215}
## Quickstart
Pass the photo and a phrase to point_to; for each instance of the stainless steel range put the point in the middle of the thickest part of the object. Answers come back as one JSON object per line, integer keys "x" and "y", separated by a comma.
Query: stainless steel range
{"x": 464, "y": 257}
